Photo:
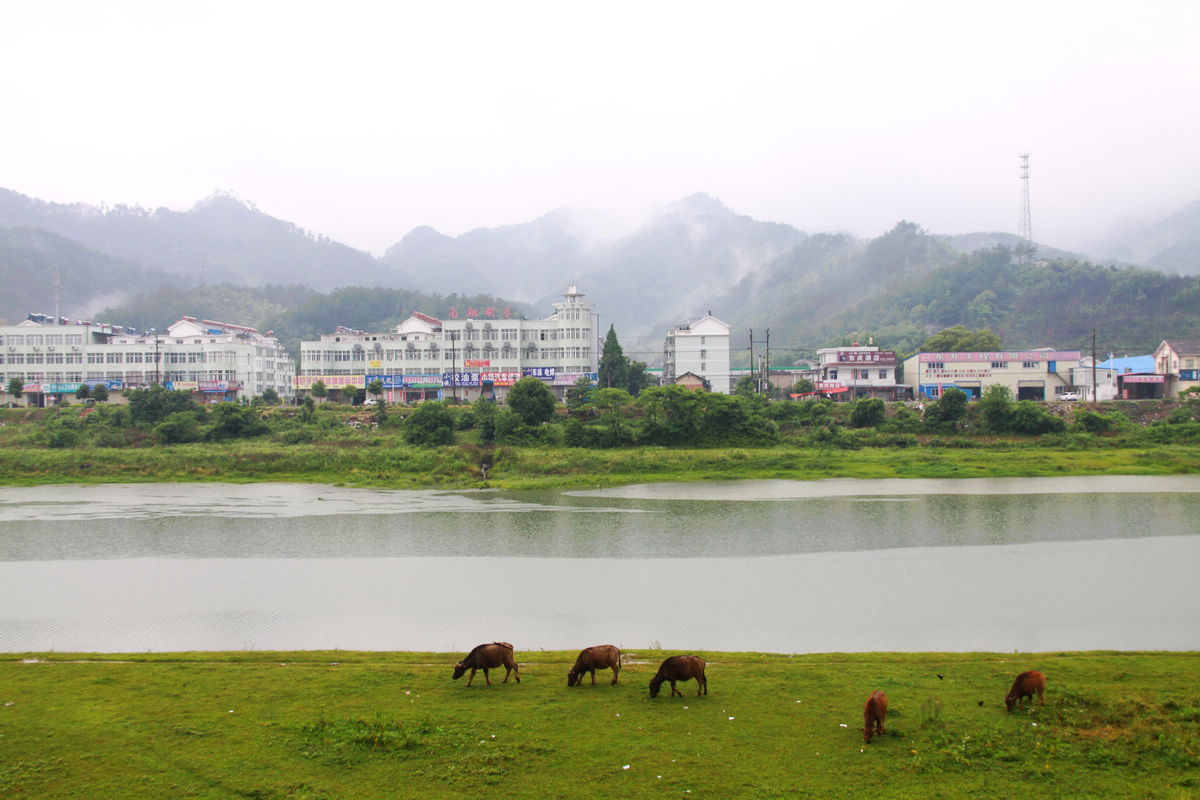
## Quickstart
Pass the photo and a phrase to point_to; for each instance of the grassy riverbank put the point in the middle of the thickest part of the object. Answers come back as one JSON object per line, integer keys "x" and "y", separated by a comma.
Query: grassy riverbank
{"x": 341, "y": 724}
{"x": 363, "y": 463}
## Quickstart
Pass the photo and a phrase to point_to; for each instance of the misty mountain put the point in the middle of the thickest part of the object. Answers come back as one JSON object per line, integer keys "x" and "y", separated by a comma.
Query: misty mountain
{"x": 677, "y": 265}
{"x": 1171, "y": 244}
{"x": 918, "y": 285}
{"x": 970, "y": 242}
{"x": 221, "y": 239}
{"x": 29, "y": 259}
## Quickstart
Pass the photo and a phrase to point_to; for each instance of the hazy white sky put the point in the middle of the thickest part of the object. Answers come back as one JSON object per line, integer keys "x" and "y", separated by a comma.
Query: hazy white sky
{"x": 362, "y": 120}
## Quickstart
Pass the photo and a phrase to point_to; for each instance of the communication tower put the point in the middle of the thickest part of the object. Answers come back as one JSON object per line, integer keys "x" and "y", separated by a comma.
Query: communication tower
{"x": 1025, "y": 224}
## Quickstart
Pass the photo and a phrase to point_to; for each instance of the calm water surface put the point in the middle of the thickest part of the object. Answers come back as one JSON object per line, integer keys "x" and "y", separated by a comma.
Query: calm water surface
{"x": 780, "y": 566}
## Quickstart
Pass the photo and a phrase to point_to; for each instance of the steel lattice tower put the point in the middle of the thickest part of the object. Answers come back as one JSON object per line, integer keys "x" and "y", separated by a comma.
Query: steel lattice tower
{"x": 1025, "y": 224}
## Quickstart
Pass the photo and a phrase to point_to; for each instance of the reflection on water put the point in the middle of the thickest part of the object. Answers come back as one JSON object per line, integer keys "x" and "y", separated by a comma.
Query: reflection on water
{"x": 790, "y": 567}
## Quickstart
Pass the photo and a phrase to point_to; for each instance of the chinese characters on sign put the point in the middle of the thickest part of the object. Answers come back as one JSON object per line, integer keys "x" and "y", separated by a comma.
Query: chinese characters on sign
{"x": 500, "y": 378}
{"x": 539, "y": 372}
{"x": 876, "y": 357}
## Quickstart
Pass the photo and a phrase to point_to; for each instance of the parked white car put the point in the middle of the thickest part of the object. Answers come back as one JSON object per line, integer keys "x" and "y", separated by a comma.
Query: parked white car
{"x": 1069, "y": 396}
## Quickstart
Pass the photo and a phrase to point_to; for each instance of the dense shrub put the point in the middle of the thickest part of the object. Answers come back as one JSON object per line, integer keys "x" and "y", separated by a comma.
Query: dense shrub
{"x": 179, "y": 428}
{"x": 430, "y": 425}
{"x": 532, "y": 401}
{"x": 867, "y": 413}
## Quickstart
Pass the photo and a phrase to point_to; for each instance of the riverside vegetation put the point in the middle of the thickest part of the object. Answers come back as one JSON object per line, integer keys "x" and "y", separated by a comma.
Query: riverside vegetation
{"x": 598, "y": 437}
{"x": 352, "y": 724}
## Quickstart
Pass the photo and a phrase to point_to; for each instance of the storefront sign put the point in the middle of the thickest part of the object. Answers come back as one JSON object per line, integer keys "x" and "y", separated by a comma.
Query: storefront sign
{"x": 876, "y": 357}
{"x": 467, "y": 379}
{"x": 477, "y": 362}
{"x": 219, "y": 387}
{"x": 545, "y": 373}
{"x": 331, "y": 381}
{"x": 500, "y": 378}
{"x": 1143, "y": 378}
{"x": 1008, "y": 355}
{"x": 571, "y": 378}
{"x": 387, "y": 381}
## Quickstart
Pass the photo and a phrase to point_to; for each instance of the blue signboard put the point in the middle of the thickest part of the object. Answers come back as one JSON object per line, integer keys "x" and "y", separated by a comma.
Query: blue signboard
{"x": 461, "y": 379}
{"x": 545, "y": 373}
{"x": 388, "y": 381}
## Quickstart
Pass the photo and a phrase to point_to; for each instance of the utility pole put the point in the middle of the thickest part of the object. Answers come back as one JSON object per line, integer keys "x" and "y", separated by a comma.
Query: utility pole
{"x": 767, "y": 375}
{"x": 1094, "y": 396}
{"x": 753, "y": 372}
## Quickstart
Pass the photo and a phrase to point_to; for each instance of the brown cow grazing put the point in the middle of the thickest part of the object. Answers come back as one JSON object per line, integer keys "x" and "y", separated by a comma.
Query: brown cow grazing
{"x": 485, "y": 657}
{"x": 602, "y": 656}
{"x": 1026, "y": 684}
{"x": 873, "y": 714}
{"x": 680, "y": 668}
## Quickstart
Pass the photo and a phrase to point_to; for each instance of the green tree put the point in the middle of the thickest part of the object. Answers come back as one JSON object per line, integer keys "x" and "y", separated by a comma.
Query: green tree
{"x": 670, "y": 415}
{"x": 949, "y": 408}
{"x": 83, "y": 392}
{"x": 179, "y": 428}
{"x": 349, "y": 393}
{"x": 150, "y": 406}
{"x": 961, "y": 340}
{"x": 532, "y": 401}
{"x": 746, "y": 386}
{"x": 995, "y": 408}
{"x": 270, "y": 396}
{"x": 430, "y": 425}
{"x": 1031, "y": 419}
{"x": 803, "y": 386}
{"x": 579, "y": 396}
{"x": 639, "y": 378}
{"x": 233, "y": 421}
{"x": 307, "y": 411}
{"x": 867, "y": 413}
{"x": 16, "y": 387}
{"x": 614, "y": 367}
{"x": 100, "y": 392}
{"x": 319, "y": 390}
{"x": 375, "y": 387}
{"x": 485, "y": 419}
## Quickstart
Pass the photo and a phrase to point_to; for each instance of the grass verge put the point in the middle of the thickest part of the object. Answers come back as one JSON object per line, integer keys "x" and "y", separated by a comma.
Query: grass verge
{"x": 341, "y": 724}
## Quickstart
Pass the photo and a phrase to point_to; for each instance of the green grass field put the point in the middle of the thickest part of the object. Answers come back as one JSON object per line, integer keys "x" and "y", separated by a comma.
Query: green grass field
{"x": 382, "y": 464}
{"x": 394, "y": 725}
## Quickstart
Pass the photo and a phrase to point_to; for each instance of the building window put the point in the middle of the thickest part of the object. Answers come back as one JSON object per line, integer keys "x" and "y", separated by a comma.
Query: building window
{"x": 936, "y": 365}
{"x": 1028, "y": 365}
{"x": 883, "y": 374}
{"x": 999, "y": 365}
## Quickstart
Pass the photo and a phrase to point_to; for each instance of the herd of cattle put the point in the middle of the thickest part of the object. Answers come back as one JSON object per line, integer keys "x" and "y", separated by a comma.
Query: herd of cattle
{"x": 685, "y": 668}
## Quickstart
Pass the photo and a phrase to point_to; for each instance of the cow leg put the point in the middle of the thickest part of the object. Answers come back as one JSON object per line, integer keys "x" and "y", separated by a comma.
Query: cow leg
{"x": 593, "y": 677}
{"x": 1040, "y": 703}
{"x": 616, "y": 670}
{"x": 675, "y": 691}
{"x": 507, "y": 670}
{"x": 471, "y": 677}
{"x": 485, "y": 676}
{"x": 516, "y": 673}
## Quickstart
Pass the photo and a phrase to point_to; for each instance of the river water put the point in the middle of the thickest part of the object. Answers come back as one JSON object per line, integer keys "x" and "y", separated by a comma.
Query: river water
{"x": 775, "y": 566}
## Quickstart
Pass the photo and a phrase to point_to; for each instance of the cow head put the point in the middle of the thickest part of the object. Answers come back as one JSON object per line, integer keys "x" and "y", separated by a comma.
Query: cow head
{"x": 1009, "y": 702}
{"x": 655, "y": 682}
{"x": 459, "y": 669}
{"x": 573, "y": 677}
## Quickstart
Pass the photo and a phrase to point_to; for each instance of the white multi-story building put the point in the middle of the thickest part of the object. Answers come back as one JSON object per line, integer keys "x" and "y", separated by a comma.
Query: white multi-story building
{"x": 858, "y": 371}
{"x": 427, "y": 358}
{"x": 216, "y": 360}
{"x": 1041, "y": 374}
{"x": 701, "y": 348}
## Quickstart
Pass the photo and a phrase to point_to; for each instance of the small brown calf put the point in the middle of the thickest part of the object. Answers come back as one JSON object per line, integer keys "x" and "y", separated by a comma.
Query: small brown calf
{"x": 1026, "y": 684}
{"x": 602, "y": 656}
{"x": 873, "y": 715}
{"x": 680, "y": 668}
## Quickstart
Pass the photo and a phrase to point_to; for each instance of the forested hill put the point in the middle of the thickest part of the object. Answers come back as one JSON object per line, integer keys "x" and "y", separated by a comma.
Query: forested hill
{"x": 906, "y": 284}
{"x": 220, "y": 239}
{"x": 30, "y": 258}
